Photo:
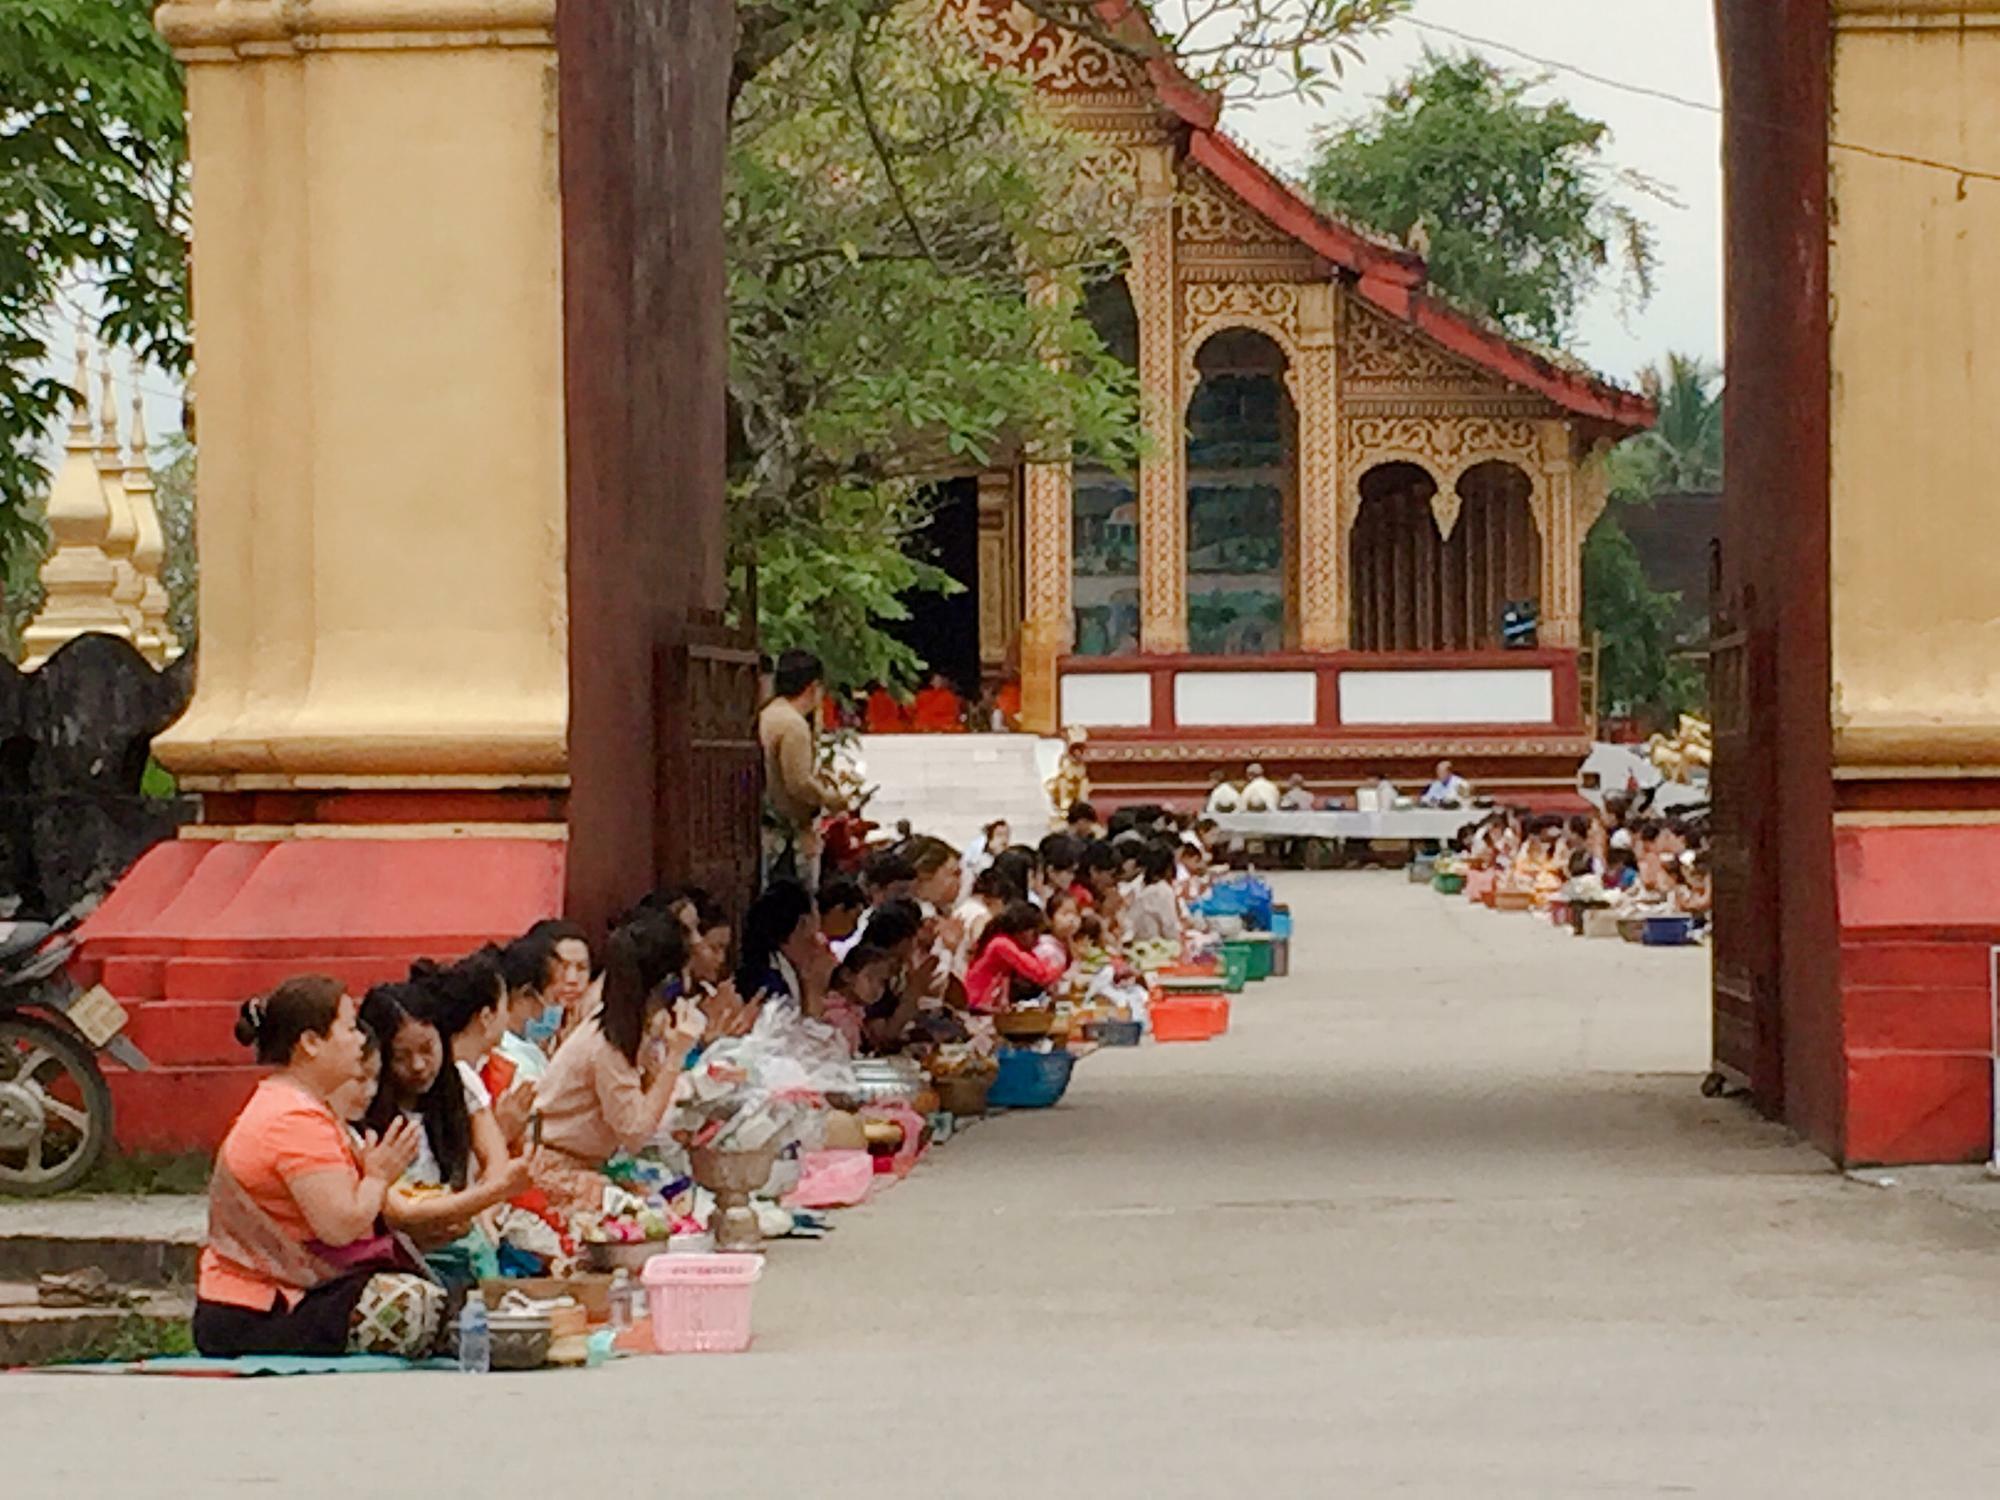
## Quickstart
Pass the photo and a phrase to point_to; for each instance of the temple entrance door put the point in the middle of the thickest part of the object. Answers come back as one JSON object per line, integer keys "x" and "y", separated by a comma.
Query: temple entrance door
{"x": 944, "y": 630}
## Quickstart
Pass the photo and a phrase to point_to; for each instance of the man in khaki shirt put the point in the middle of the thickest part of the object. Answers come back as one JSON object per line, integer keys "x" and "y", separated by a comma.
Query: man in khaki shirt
{"x": 795, "y": 794}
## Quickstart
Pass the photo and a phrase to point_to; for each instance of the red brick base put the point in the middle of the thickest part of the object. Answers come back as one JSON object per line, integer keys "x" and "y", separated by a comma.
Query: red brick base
{"x": 195, "y": 928}
{"x": 1919, "y": 917}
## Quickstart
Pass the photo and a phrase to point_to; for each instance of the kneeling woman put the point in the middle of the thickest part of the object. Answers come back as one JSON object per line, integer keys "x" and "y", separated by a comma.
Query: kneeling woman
{"x": 296, "y": 1261}
{"x": 611, "y": 1083}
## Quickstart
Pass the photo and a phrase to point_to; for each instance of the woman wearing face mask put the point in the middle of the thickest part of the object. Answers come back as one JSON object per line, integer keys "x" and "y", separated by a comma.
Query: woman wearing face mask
{"x": 571, "y": 986}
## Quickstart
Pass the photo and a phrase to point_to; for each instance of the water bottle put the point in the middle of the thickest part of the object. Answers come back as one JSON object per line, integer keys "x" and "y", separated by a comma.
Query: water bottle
{"x": 475, "y": 1340}
{"x": 621, "y": 1300}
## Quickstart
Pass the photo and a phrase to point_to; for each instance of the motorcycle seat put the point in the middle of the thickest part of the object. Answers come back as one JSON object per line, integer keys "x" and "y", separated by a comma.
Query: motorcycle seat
{"x": 17, "y": 938}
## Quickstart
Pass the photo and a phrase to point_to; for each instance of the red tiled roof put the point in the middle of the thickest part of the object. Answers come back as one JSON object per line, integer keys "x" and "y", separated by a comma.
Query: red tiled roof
{"x": 1388, "y": 277}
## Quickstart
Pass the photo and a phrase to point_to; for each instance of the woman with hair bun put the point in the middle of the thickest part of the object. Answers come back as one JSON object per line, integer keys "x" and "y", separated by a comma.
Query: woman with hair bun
{"x": 296, "y": 1260}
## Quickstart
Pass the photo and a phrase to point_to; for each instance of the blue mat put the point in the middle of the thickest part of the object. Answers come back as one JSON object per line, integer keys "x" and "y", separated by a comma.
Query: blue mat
{"x": 257, "y": 1364}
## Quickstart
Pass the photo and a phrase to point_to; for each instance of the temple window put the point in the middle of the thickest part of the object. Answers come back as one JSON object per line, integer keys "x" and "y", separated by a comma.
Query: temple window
{"x": 1242, "y": 498}
{"x": 1105, "y": 508}
{"x": 1414, "y": 590}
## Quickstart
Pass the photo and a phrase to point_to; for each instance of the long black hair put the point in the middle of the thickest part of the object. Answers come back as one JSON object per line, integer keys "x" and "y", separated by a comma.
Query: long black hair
{"x": 1023, "y": 922}
{"x": 641, "y": 956}
{"x": 461, "y": 992}
{"x": 768, "y": 925}
{"x": 386, "y": 1010}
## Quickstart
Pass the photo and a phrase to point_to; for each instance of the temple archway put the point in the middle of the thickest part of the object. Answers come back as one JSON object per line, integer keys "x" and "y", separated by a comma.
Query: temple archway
{"x": 1104, "y": 508}
{"x": 1431, "y": 576}
{"x": 1242, "y": 498}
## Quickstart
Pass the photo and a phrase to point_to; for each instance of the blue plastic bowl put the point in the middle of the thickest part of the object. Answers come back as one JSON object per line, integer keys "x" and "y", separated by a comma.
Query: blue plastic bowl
{"x": 1668, "y": 932}
{"x": 1030, "y": 1080}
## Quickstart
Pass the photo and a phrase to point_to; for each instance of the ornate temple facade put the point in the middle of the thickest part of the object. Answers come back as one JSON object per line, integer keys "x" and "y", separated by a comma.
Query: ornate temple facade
{"x": 1347, "y": 485}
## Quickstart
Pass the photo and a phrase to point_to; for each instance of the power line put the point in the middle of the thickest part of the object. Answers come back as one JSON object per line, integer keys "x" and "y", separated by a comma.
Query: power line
{"x": 1703, "y": 106}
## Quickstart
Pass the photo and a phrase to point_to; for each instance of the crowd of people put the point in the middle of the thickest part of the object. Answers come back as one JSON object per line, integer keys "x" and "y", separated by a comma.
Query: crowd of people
{"x": 1619, "y": 856}
{"x": 474, "y": 1119}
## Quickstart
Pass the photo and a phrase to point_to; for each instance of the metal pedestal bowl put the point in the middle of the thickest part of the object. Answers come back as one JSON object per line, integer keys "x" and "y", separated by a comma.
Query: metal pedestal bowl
{"x": 732, "y": 1176}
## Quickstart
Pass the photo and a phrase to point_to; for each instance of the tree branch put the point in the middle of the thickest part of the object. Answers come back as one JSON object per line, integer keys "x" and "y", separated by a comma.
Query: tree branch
{"x": 880, "y": 144}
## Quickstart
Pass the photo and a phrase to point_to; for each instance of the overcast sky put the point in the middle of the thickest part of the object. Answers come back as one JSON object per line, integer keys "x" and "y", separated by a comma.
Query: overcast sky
{"x": 1660, "y": 44}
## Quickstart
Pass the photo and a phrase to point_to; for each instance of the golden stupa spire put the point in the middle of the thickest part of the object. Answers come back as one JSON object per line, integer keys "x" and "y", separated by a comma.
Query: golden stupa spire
{"x": 149, "y": 552}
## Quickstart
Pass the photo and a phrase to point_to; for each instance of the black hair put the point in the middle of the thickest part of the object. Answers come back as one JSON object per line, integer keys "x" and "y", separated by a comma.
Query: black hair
{"x": 993, "y": 881}
{"x": 796, "y": 671}
{"x": 859, "y": 957}
{"x": 640, "y": 957}
{"x": 841, "y": 895}
{"x": 1579, "y": 863}
{"x": 1081, "y": 812}
{"x": 460, "y": 993}
{"x": 927, "y": 855}
{"x": 1017, "y": 867}
{"x": 1651, "y": 829}
{"x": 894, "y": 922}
{"x": 1621, "y": 859}
{"x": 768, "y": 925}
{"x": 1156, "y": 862}
{"x": 275, "y": 1023}
{"x": 887, "y": 867}
{"x": 1580, "y": 826}
{"x": 1023, "y": 919}
{"x": 385, "y": 1010}
{"x": 553, "y": 930}
{"x": 1062, "y": 851}
{"x": 996, "y": 823}
{"x": 1100, "y": 858}
{"x": 525, "y": 963}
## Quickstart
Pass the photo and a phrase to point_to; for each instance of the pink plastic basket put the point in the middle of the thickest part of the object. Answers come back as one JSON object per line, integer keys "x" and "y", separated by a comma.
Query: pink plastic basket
{"x": 700, "y": 1304}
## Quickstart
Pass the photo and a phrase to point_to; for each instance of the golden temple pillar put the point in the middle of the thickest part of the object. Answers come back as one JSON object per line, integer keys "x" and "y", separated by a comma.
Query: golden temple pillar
{"x": 1046, "y": 622}
{"x": 1322, "y": 585}
{"x": 376, "y": 265}
{"x": 1555, "y": 507}
{"x": 1154, "y": 283}
{"x": 999, "y": 573}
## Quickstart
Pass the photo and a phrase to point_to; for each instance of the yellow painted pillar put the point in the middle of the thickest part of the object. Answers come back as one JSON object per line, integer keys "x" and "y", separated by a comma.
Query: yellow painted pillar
{"x": 1322, "y": 561}
{"x": 376, "y": 278}
{"x": 1155, "y": 288}
{"x": 1914, "y": 467}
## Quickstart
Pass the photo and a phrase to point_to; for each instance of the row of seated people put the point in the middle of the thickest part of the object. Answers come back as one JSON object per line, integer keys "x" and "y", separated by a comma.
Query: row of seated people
{"x": 935, "y": 708}
{"x": 451, "y": 1127}
{"x": 1616, "y": 855}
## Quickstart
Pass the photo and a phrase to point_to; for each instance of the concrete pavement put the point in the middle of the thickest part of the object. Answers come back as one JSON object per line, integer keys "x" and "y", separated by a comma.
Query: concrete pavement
{"x": 1444, "y": 1215}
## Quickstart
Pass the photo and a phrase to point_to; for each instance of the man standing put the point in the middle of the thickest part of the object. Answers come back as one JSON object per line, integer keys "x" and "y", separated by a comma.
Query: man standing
{"x": 795, "y": 794}
{"x": 1447, "y": 790}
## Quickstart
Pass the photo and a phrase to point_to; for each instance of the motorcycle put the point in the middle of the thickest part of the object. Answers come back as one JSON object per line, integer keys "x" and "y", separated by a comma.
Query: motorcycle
{"x": 55, "y": 1106}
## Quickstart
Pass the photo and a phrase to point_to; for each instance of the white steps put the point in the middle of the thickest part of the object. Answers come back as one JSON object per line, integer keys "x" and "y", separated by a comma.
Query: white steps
{"x": 953, "y": 785}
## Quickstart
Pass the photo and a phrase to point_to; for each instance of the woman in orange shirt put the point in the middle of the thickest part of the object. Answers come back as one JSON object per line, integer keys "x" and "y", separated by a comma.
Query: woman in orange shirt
{"x": 296, "y": 1260}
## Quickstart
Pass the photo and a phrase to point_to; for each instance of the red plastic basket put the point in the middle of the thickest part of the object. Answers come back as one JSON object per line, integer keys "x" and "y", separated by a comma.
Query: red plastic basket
{"x": 1189, "y": 1018}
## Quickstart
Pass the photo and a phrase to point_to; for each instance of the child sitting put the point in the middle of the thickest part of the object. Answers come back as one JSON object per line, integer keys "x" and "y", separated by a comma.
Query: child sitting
{"x": 1010, "y": 963}
{"x": 857, "y": 989}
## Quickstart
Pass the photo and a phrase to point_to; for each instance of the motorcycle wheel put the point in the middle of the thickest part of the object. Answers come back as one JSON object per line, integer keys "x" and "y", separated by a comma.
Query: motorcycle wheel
{"x": 55, "y": 1108}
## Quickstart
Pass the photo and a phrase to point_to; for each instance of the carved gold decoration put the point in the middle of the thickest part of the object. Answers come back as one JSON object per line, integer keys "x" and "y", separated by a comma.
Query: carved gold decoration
{"x": 1210, "y": 214}
{"x": 1056, "y": 58}
{"x": 1322, "y": 562}
{"x": 1105, "y": 750}
{"x": 1271, "y": 308}
{"x": 1382, "y": 353}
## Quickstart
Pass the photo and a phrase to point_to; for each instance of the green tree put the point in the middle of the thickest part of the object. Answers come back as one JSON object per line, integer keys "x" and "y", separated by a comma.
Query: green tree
{"x": 1682, "y": 454}
{"x": 1511, "y": 201}
{"x": 93, "y": 182}
{"x": 893, "y": 200}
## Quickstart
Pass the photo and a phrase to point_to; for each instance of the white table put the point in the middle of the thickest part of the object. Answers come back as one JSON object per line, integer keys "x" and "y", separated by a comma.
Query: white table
{"x": 1437, "y": 824}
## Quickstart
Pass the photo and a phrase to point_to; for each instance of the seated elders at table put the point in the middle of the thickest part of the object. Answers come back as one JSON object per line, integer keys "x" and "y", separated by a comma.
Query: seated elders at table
{"x": 1447, "y": 788}
{"x": 297, "y": 1260}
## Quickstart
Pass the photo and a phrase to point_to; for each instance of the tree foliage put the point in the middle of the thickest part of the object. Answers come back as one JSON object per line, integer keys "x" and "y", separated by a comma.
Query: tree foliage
{"x": 1512, "y": 201}
{"x": 93, "y": 182}
{"x": 1682, "y": 454}
{"x": 908, "y": 230}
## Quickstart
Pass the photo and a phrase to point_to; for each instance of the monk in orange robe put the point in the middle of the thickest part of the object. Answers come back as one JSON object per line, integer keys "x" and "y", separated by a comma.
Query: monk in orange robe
{"x": 884, "y": 715}
{"x": 938, "y": 709}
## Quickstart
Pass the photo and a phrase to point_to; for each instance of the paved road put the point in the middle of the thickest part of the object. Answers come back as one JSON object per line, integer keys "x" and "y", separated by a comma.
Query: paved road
{"x": 1443, "y": 1216}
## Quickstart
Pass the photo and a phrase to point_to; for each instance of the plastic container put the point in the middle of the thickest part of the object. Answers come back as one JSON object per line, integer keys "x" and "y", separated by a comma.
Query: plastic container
{"x": 1668, "y": 932}
{"x": 1117, "y": 1033}
{"x": 1479, "y": 885}
{"x": 1448, "y": 882}
{"x": 1419, "y": 870}
{"x": 475, "y": 1338}
{"x": 1281, "y": 921}
{"x": 964, "y": 1096}
{"x": 833, "y": 1179}
{"x": 1190, "y": 1018}
{"x": 1030, "y": 1080}
{"x": 1281, "y": 957}
{"x": 700, "y": 1304}
{"x": 1260, "y": 957}
{"x": 1236, "y": 959}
